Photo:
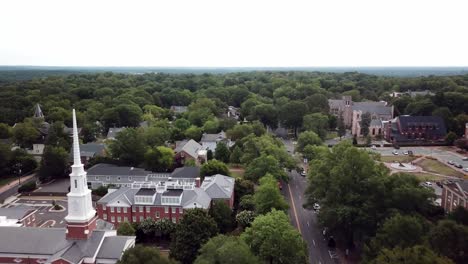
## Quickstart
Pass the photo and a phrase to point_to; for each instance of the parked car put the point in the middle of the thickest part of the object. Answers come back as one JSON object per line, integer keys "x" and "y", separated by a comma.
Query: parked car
{"x": 303, "y": 173}
{"x": 465, "y": 169}
{"x": 458, "y": 165}
{"x": 405, "y": 152}
{"x": 465, "y": 158}
{"x": 428, "y": 184}
{"x": 410, "y": 152}
{"x": 450, "y": 162}
{"x": 439, "y": 184}
{"x": 395, "y": 152}
{"x": 373, "y": 147}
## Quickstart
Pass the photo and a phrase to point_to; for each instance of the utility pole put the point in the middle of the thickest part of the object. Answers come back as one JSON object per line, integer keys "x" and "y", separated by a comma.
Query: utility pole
{"x": 18, "y": 165}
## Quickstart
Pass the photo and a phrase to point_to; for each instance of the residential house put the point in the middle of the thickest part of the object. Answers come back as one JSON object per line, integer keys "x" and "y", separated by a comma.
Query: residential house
{"x": 233, "y": 112}
{"x": 18, "y": 216}
{"x": 91, "y": 150}
{"x": 415, "y": 130}
{"x": 190, "y": 149}
{"x": 210, "y": 141}
{"x": 113, "y": 131}
{"x": 82, "y": 241}
{"x": 220, "y": 188}
{"x": 455, "y": 194}
{"x": 178, "y": 109}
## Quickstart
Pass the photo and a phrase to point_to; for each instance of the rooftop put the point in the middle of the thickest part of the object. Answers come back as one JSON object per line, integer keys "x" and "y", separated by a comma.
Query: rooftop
{"x": 18, "y": 212}
{"x": 146, "y": 192}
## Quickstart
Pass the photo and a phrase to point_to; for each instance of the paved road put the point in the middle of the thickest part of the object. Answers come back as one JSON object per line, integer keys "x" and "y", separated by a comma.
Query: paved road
{"x": 12, "y": 191}
{"x": 306, "y": 221}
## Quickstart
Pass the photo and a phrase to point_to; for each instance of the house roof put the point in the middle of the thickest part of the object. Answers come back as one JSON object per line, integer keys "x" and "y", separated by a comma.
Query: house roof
{"x": 173, "y": 192}
{"x": 112, "y": 247}
{"x": 146, "y": 192}
{"x": 218, "y": 186}
{"x": 114, "y": 170}
{"x": 376, "y": 123}
{"x": 190, "y": 147}
{"x": 113, "y": 131}
{"x": 213, "y": 137}
{"x": 378, "y": 108}
{"x": 186, "y": 173}
{"x": 18, "y": 212}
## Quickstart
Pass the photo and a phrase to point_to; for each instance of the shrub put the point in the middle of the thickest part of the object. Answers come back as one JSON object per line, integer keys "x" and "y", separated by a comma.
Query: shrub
{"x": 27, "y": 187}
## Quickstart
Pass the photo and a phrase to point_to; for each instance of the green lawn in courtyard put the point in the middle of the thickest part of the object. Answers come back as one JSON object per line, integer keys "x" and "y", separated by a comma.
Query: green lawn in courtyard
{"x": 438, "y": 167}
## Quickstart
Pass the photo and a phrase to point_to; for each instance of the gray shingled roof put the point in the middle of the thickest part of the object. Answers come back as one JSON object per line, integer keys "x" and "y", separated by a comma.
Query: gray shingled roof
{"x": 213, "y": 137}
{"x": 18, "y": 212}
{"x": 114, "y": 170}
{"x": 218, "y": 186}
{"x": 186, "y": 173}
{"x": 373, "y": 107}
{"x": 84, "y": 248}
{"x": 32, "y": 240}
{"x": 146, "y": 192}
{"x": 112, "y": 247}
{"x": 112, "y": 133}
{"x": 190, "y": 147}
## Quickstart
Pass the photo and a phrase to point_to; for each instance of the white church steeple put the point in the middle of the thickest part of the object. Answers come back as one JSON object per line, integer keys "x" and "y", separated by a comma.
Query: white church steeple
{"x": 81, "y": 216}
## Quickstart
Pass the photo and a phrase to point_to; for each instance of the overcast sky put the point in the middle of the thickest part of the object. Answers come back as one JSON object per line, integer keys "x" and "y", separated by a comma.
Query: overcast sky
{"x": 234, "y": 33}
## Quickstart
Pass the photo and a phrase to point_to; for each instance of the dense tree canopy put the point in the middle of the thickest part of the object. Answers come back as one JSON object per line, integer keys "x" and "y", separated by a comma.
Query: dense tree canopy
{"x": 144, "y": 255}
{"x": 226, "y": 249}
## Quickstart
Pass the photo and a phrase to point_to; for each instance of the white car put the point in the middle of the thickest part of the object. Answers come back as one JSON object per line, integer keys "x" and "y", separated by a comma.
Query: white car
{"x": 465, "y": 169}
{"x": 429, "y": 184}
{"x": 316, "y": 206}
{"x": 405, "y": 152}
{"x": 395, "y": 152}
{"x": 373, "y": 147}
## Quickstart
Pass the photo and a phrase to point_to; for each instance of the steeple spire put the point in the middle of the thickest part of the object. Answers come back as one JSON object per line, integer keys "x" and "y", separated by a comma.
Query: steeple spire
{"x": 38, "y": 112}
{"x": 76, "y": 143}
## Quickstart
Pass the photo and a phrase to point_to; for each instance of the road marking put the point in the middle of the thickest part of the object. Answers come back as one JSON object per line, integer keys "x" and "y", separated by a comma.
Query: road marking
{"x": 294, "y": 209}
{"x": 313, "y": 241}
{"x": 308, "y": 223}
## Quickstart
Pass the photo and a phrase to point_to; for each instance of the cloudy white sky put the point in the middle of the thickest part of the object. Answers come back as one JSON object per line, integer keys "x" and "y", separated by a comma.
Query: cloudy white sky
{"x": 234, "y": 33}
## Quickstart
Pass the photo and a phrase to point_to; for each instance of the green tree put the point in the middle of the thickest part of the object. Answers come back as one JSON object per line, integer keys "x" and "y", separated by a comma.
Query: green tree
{"x": 414, "y": 255}
{"x": 5, "y": 156}
{"x": 211, "y": 126}
{"x": 341, "y": 127}
{"x": 312, "y": 152}
{"x": 5, "y": 131}
{"x": 194, "y": 230}
{"x": 242, "y": 187}
{"x": 247, "y": 202}
{"x": 459, "y": 215}
{"x": 209, "y": 155}
{"x": 194, "y": 133}
{"x": 272, "y": 238}
{"x": 222, "y": 152}
{"x": 159, "y": 158}
{"x": 213, "y": 167}
{"x": 450, "y": 138}
{"x": 236, "y": 155}
{"x": 128, "y": 147}
{"x": 144, "y": 255}
{"x": 25, "y": 134}
{"x": 222, "y": 215}
{"x": 226, "y": 250}
{"x": 267, "y": 114}
{"x": 291, "y": 114}
{"x": 156, "y": 136}
{"x": 307, "y": 138}
{"x": 53, "y": 163}
{"x": 263, "y": 165}
{"x": 239, "y": 131}
{"x": 450, "y": 239}
{"x": 365, "y": 123}
{"x": 125, "y": 229}
{"x": 182, "y": 124}
{"x": 268, "y": 196}
{"x": 317, "y": 123}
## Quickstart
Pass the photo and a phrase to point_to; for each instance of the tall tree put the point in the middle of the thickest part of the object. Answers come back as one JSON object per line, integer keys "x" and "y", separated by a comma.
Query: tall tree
{"x": 272, "y": 238}
{"x": 53, "y": 163}
{"x": 159, "y": 159}
{"x": 307, "y": 138}
{"x": 316, "y": 122}
{"x": 128, "y": 147}
{"x": 222, "y": 152}
{"x": 414, "y": 255}
{"x": 213, "y": 167}
{"x": 263, "y": 165}
{"x": 125, "y": 229}
{"x": 268, "y": 196}
{"x": 291, "y": 114}
{"x": 365, "y": 123}
{"x": 341, "y": 126}
{"x": 222, "y": 215}
{"x": 450, "y": 239}
{"x": 25, "y": 134}
{"x": 194, "y": 230}
{"x": 226, "y": 250}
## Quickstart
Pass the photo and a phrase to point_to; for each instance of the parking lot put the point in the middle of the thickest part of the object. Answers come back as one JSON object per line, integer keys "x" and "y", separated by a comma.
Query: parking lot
{"x": 45, "y": 217}
{"x": 435, "y": 152}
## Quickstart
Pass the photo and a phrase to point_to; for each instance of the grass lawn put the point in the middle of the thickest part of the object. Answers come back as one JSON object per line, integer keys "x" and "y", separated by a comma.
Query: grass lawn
{"x": 427, "y": 176}
{"x": 405, "y": 158}
{"x": 236, "y": 171}
{"x": 7, "y": 179}
{"x": 332, "y": 135}
{"x": 438, "y": 167}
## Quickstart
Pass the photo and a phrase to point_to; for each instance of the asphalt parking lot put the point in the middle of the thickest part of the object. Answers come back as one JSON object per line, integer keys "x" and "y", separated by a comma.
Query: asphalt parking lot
{"x": 45, "y": 217}
{"x": 436, "y": 152}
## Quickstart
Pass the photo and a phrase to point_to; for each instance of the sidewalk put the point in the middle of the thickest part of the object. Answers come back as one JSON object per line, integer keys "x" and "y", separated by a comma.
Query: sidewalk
{"x": 14, "y": 182}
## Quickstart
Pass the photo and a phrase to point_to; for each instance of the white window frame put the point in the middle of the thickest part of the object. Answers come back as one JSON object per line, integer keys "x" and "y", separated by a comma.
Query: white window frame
{"x": 158, "y": 214}
{"x": 133, "y": 219}
{"x": 119, "y": 219}
{"x": 104, "y": 216}
{"x": 166, "y": 209}
{"x": 112, "y": 219}
{"x": 174, "y": 210}
{"x": 125, "y": 210}
{"x": 118, "y": 209}
{"x": 111, "y": 209}
{"x": 148, "y": 209}
{"x": 140, "y": 208}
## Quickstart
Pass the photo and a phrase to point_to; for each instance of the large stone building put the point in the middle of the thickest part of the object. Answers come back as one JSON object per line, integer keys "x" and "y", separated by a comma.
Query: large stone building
{"x": 80, "y": 242}
{"x": 415, "y": 130}
{"x": 455, "y": 194}
{"x": 163, "y": 200}
{"x": 352, "y": 114}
